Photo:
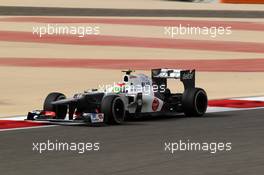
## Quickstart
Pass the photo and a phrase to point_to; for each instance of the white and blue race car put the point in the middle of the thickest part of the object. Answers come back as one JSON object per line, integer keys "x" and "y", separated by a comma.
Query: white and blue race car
{"x": 136, "y": 95}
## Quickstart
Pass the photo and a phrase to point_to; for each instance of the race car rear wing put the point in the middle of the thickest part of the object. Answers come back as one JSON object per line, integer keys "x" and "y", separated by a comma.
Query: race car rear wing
{"x": 160, "y": 76}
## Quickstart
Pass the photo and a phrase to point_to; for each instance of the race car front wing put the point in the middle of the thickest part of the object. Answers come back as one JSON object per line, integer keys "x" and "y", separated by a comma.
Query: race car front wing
{"x": 50, "y": 117}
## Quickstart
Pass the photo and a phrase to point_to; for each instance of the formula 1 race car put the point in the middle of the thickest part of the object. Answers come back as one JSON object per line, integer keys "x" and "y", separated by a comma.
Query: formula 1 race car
{"x": 136, "y": 95}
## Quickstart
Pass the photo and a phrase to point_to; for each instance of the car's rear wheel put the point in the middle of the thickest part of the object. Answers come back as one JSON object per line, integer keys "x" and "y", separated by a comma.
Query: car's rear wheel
{"x": 113, "y": 108}
{"x": 194, "y": 102}
{"x": 60, "y": 110}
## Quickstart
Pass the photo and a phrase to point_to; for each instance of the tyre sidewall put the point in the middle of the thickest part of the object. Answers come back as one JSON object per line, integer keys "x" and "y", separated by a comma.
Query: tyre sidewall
{"x": 108, "y": 108}
{"x": 191, "y": 102}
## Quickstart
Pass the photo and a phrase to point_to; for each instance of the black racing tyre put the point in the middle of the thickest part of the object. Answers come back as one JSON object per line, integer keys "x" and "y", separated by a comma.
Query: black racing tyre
{"x": 60, "y": 110}
{"x": 194, "y": 102}
{"x": 113, "y": 108}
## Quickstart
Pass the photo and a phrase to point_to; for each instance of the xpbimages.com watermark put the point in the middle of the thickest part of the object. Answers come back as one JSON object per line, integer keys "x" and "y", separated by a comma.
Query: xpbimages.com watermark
{"x": 57, "y": 30}
{"x": 211, "y": 147}
{"x": 58, "y": 146}
{"x": 174, "y": 31}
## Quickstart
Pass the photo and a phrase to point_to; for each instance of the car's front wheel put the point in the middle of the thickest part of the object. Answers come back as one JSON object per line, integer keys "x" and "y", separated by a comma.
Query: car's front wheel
{"x": 113, "y": 108}
{"x": 60, "y": 110}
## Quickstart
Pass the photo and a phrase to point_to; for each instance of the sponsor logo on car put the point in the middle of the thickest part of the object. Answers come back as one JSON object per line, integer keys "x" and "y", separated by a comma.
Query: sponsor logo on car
{"x": 97, "y": 117}
{"x": 155, "y": 104}
{"x": 187, "y": 76}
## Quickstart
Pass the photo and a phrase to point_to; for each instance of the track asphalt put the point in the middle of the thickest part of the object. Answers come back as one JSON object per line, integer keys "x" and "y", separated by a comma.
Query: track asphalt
{"x": 138, "y": 147}
{"x": 53, "y": 11}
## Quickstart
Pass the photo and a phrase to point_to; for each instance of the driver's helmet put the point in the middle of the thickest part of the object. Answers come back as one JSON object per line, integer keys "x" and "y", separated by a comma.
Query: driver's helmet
{"x": 119, "y": 88}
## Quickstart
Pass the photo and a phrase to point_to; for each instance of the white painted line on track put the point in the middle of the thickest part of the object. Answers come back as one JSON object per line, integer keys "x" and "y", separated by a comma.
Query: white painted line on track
{"x": 249, "y": 98}
{"x": 16, "y": 118}
{"x": 23, "y": 128}
{"x": 224, "y": 109}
